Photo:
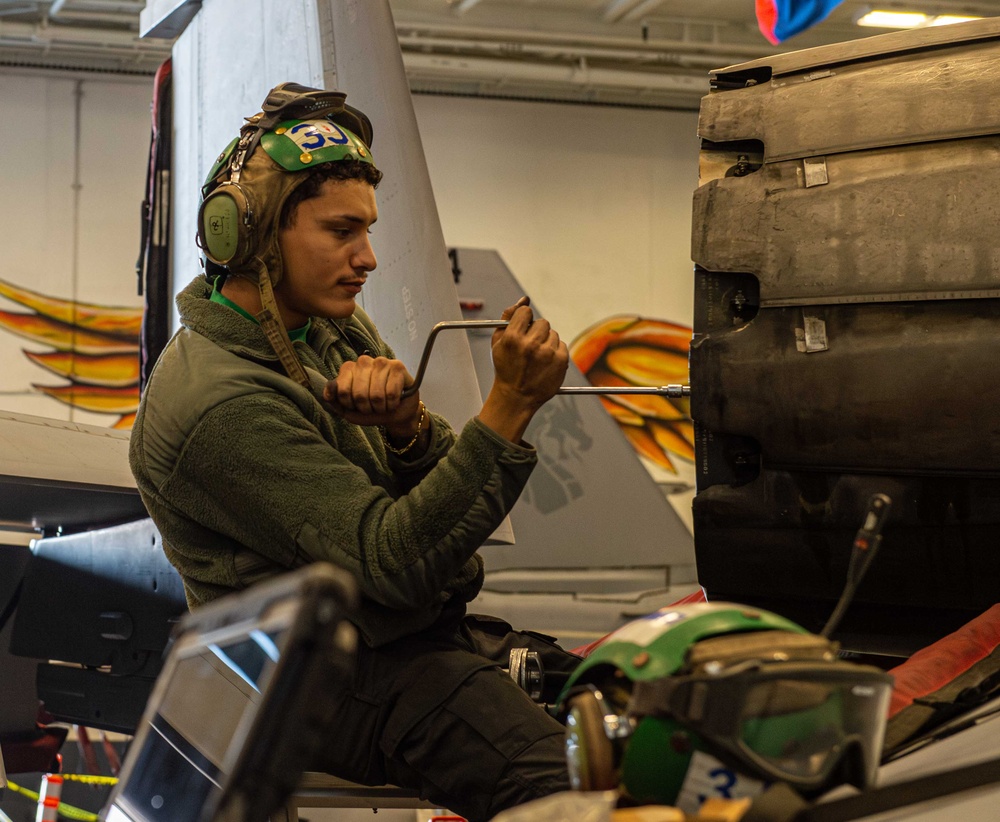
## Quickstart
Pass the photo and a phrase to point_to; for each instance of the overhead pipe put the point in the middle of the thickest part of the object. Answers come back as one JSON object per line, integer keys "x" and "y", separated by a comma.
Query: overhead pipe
{"x": 646, "y": 58}
{"x": 99, "y": 6}
{"x": 107, "y": 20}
{"x": 629, "y": 9}
{"x": 735, "y": 51}
{"x": 9, "y": 12}
{"x": 644, "y": 8}
{"x": 465, "y": 5}
{"x": 30, "y": 34}
{"x": 477, "y": 68}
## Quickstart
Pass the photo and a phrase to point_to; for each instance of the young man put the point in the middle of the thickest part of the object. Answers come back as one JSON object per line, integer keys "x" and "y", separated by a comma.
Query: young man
{"x": 273, "y": 433}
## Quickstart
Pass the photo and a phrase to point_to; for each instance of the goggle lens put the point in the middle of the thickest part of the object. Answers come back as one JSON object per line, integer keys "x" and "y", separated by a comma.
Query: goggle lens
{"x": 800, "y": 728}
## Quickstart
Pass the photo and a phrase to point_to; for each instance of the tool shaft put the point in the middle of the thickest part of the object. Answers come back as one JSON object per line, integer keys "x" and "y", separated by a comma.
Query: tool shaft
{"x": 674, "y": 391}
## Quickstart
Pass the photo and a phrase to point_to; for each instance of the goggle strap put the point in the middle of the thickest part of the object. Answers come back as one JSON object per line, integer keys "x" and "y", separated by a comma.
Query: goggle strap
{"x": 658, "y": 698}
{"x": 684, "y": 699}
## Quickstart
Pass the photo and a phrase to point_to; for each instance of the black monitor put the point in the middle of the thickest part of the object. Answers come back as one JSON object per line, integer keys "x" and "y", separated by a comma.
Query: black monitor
{"x": 238, "y": 711}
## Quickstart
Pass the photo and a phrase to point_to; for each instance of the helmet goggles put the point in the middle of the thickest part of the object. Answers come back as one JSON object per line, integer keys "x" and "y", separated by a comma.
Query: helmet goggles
{"x": 801, "y": 722}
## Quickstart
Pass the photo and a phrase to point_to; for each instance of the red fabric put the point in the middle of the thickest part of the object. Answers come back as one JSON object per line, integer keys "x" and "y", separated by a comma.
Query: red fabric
{"x": 938, "y": 664}
{"x": 767, "y": 19}
{"x": 691, "y": 599}
{"x": 36, "y": 752}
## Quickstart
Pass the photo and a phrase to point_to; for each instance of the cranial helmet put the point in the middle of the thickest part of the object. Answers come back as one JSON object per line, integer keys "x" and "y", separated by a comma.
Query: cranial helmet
{"x": 718, "y": 699}
{"x": 299, "y": 129}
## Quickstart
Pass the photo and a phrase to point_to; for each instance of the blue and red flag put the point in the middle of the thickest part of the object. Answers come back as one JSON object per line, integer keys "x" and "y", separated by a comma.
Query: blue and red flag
{"x": 781, "y": 19}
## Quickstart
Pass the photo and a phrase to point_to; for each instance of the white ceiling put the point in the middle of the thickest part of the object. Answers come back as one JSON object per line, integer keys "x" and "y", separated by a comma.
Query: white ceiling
{"x": 653, "y": 53}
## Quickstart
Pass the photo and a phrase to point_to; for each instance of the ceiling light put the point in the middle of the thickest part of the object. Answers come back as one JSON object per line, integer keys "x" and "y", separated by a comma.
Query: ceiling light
{"x": 909, "y": 19}
{"x": 894, "y": 19}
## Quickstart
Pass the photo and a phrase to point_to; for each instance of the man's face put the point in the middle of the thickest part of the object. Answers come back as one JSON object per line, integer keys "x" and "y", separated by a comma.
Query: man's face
{"x": 326, "y": 252}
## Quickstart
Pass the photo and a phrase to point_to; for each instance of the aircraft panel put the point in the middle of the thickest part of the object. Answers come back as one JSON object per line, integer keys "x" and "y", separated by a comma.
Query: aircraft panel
{"x": 589, "y": 503}
{"x": 802, "y": 242}
{"x": 56, "y": 474}
{"x": 844, "y": 335}
{"x": 828, "y": 106}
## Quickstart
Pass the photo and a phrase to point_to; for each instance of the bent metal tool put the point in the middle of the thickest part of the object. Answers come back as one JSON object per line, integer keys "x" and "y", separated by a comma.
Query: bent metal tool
{"x": 674, "y": 391}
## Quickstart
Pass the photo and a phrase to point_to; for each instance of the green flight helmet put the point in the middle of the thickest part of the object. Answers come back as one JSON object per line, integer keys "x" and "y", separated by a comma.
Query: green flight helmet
{"x": 719, "y": 700}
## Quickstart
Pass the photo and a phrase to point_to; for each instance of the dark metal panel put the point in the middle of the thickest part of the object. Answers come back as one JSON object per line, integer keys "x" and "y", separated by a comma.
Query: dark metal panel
{"x": 899, "y": 387}
{"x": 861, "y": 49}
{"x": 38, "y": 505}
{"x": 783, "y": 542}
{"x": 846, "y": 315}
{"x": 900, "y": 99}
{"x": 917, "y": 222}
{"x": 100, "y": 598}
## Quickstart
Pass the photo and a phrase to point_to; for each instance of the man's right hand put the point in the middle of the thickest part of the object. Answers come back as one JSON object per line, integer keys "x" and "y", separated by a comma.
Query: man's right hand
{"x": 530, "y": 363}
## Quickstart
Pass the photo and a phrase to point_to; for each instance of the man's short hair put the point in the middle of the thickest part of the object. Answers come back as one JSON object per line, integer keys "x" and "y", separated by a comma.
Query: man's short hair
{"x": 341, "y": 170}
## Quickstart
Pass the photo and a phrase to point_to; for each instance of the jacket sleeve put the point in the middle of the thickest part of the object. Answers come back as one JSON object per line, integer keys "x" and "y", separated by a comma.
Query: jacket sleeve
{"x": 257, "y": 471}
{"x": 410, "y": 472}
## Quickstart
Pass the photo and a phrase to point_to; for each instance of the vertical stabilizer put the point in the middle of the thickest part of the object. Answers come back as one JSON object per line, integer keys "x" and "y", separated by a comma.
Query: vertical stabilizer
{"x": 597, "y": 540}
{"x": 412, "y": 289}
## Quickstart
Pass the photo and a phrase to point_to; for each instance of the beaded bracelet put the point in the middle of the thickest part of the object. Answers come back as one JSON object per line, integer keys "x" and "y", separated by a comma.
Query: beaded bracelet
{"x": 411, "y": 443}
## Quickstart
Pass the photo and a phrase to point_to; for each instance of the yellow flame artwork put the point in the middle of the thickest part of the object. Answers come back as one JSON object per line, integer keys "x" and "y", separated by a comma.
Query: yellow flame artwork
{"x": 95, "y": 348}
{"x": 630, "y": 350}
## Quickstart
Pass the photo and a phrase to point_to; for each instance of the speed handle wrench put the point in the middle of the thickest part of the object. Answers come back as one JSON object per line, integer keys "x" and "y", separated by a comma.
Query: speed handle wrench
{"x": 674, "y": 391}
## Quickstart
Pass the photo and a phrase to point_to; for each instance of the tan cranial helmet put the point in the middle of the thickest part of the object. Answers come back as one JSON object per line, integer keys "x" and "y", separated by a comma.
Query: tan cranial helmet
{"x": 299, "y": 129}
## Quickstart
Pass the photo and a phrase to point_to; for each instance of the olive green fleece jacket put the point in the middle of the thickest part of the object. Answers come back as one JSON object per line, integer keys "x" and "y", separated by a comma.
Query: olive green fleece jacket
{"x": 247, "y": 474}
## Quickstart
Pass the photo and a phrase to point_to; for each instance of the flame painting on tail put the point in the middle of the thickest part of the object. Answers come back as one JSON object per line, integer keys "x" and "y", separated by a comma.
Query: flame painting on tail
{"x": 96, "y": 348}
{"x": 630, "y": 350}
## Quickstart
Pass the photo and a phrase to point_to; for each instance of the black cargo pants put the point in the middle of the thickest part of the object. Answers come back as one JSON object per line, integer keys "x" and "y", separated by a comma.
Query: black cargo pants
{"x": 434, "y": 712}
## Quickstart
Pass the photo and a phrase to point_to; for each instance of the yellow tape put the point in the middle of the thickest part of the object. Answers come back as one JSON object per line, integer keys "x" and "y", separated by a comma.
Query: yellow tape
{"x": 69, "y": 811}
{"x": 90, "y": 779}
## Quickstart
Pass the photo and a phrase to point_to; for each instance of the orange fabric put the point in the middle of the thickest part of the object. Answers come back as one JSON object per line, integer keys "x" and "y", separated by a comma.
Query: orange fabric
{"x": 938, "y": 664}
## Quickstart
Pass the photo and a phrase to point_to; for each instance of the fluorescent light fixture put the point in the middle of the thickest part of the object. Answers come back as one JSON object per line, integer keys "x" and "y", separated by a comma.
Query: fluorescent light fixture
{"x": 894, "y": 19}
{"x": 908, "y": 19}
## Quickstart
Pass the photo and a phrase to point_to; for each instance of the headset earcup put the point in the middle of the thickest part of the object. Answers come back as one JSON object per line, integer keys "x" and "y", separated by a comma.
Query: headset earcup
{"x": 588, "y": 750}
{"x": 223, "y": 225}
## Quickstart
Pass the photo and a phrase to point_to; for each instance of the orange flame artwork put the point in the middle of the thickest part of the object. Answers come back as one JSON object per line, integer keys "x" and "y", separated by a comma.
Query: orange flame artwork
{"x": 630, "y": 350}
{"x": 96, "y": 348}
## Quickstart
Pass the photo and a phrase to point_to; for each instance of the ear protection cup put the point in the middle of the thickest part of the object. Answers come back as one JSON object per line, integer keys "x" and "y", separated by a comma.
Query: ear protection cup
{"x": 589, "y": 752}
{"x": 225, "y": 225}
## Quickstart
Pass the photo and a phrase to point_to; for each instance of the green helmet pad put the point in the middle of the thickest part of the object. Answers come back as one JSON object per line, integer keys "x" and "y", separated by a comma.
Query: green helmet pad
{"x": 298, "y": 145}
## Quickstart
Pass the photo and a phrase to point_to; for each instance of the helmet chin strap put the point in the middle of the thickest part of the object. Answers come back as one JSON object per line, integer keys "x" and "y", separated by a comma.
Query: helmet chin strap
{"x": 270, "y": 321}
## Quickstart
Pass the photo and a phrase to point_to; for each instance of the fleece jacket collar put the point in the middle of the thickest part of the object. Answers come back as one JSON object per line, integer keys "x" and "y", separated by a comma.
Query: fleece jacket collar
{"x": 244, "y": 337}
